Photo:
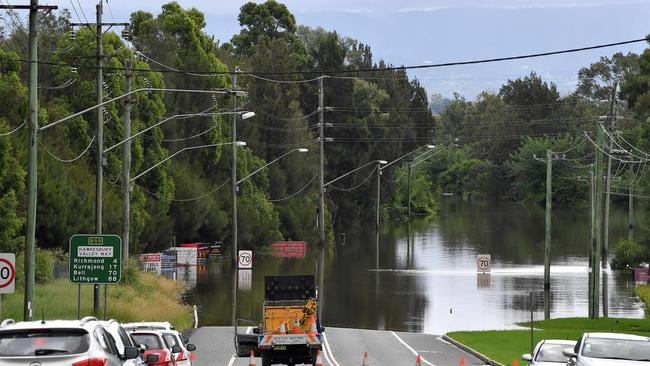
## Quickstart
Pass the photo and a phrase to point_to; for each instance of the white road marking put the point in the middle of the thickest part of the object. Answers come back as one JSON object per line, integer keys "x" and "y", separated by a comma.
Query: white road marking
{"x": 411, "y": 349}
{"x": 232, "y": 360}
{"x": 333, "y": 361}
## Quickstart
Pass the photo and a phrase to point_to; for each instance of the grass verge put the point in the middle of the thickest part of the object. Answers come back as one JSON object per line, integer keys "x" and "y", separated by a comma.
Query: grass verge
{"x": 504, "y": 346}
{"x": 643, "y": 292}
{"x": 140, "y": 296}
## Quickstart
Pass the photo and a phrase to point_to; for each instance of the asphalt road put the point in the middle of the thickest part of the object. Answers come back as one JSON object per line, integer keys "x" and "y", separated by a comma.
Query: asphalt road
{"x": 343, "y": 347}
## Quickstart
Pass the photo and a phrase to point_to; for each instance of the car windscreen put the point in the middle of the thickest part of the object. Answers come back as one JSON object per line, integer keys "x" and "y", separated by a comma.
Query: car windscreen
{"x": 617, "y": 349}
{"x": 43, "y": 342}
{"x": 170, "y": 340}
{"x": 552, "y": 353}
{"x": 151, "y": 341}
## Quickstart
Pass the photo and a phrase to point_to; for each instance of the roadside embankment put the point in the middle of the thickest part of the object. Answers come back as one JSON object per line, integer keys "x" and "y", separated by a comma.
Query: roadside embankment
{"x": 504, "y": 346}
{"x": 139, "y": 296}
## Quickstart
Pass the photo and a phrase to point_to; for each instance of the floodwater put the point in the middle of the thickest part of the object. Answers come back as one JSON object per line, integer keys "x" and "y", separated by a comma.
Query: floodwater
{"x": 429, "y": 283}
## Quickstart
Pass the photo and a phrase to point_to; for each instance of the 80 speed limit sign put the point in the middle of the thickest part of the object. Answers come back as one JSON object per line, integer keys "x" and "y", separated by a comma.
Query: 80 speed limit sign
{"x": 483, "y": 263}
{"x": 7, "y": 273}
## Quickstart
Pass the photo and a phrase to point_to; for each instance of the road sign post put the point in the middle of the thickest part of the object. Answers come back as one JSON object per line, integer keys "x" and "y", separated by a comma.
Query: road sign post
{"x": 7, "y": 275}
{"x": 95, "y": 259}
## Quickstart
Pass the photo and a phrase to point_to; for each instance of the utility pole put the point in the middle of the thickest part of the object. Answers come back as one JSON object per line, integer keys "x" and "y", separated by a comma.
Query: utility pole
{"x": 377, "y": 220}
{"x": 321, "y": 162}
{"x": 410, "y": 176}
{"x": 608, "y": 184}
{"x": 547, "y": 240}
{"x": 592, "y": 201}
{"x": 233, "y": 179}
{"x": 100, "y": 141}
{"x": 630, "y": 208}
{"x": 126, "y": 166}
{"x": 598, "y": 196}
{"x": 32, "y": 165}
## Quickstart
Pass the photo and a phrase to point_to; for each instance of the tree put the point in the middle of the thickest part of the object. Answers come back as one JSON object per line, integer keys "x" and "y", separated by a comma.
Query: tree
{"x": 596, "y": 81}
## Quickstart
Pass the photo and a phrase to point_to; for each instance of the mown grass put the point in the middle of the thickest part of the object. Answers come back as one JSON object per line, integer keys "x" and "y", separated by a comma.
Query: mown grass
{"x": 504, "y": 346}
{"x": 140, "y": 296}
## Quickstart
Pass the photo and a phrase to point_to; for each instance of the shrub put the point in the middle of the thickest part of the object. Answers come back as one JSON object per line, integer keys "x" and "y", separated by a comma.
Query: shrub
{"x": 629, "y": 254}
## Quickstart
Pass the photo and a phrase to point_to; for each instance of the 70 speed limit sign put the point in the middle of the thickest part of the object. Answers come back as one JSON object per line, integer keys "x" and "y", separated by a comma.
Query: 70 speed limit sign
{"x": 7, "y": 273}
{"x": 245, "y": 259}
{"x": 483, "y": 263}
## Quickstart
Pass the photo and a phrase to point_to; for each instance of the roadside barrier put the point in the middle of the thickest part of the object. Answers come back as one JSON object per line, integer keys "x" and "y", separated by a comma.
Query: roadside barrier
{"x": 196, "y": 316}
{"x": 319, "y": 359}
{"x": 251, "y": 362}
{"x": 418, "y": 361}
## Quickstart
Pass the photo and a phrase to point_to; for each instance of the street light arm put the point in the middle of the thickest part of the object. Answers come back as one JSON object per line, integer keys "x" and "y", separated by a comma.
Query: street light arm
{"x": 176, "y": 153}
{"x": 177, "y": 116}
{"x": 264, "y": 166}
{"x": 401, "y": 157}
{"x": 350, "y": 172}
{"x": 49, "y": 125}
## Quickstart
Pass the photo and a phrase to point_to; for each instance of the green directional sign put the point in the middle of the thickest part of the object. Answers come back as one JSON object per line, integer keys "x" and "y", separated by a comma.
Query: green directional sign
{"x": 95, "y": 259}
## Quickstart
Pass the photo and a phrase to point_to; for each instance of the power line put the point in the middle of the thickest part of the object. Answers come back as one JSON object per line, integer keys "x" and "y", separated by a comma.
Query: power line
{"x": 344, "y": 71}
{"x": 357, "y": 186}
{"x": 68, "y": 160}
{"x": 184, "y": 199}
{"x": 13, "y": 131}
{"x": 297, "y": 193}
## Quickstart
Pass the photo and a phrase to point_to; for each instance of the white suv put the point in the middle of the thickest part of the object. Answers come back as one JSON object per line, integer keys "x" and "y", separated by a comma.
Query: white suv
{"x": 82, "y": 342}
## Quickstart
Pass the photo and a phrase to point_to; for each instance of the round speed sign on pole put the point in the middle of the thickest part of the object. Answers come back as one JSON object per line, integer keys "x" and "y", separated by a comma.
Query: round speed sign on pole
{"x": 245, "y": 259}
{"x": 483, "y": 263}
{"x": 7, "y": 273}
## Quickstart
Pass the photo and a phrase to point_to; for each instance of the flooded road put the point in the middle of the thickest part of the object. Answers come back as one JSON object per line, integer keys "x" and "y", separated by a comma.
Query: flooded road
{"x": 429, "y": 283}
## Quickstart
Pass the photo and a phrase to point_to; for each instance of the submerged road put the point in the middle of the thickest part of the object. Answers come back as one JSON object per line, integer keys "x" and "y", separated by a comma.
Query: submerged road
{"x": 343, "y": 347}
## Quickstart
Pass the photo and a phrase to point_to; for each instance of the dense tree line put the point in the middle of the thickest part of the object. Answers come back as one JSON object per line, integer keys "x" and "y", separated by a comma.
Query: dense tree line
{"x": 484, "y": 147}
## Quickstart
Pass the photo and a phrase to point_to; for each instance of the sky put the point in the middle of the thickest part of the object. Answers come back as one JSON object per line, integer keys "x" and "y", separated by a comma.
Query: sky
{"x": 411, "y": 32}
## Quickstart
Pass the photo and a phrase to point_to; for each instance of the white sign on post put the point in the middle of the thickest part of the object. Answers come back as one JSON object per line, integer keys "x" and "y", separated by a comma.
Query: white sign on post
{"x": 245, "y": 279}
{"x": 245, "y": 259}
{"x": 483, "y": 263}
{"x": 7, "y": 273}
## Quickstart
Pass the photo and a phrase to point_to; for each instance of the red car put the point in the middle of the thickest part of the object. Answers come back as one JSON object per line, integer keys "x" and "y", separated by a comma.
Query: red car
{"x": 156, "y": 352}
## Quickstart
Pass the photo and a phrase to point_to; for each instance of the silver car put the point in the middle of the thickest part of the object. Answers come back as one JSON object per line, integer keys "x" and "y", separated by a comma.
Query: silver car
{"x": 611, "y": 349}
{"x": 123, "y": 340}
{"x": 173, "y": 338}
{"x": 549, "y": 353}
{"x": 60, "y": 343}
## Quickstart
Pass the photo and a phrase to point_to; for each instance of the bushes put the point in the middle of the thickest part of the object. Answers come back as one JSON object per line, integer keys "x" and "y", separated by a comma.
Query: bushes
{"x": 629, "y": 254}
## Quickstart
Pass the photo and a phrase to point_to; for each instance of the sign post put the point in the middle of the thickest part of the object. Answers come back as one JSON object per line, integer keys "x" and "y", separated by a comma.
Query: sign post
{"x": 95, "y": 259}
{"x": 7, "y": 275}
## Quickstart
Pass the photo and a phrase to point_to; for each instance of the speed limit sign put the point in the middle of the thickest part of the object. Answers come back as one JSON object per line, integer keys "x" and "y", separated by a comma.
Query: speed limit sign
{"x": 483, "y": 263}
{"x": 7, "y": 273}
{"x": 245, "y": 259}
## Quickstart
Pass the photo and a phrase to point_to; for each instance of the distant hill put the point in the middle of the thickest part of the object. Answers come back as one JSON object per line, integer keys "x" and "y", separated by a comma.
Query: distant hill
{"x": 473, "y": 33}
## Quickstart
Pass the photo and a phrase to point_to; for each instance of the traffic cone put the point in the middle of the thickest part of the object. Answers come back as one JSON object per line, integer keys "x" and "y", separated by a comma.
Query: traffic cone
{"x": 319, "y": 359}
{"x": 365, "y": 359}
{"x": 515, "y": 363}
{"x": 251, "y": 362}
{"x": 296, "y": 327}
{"x": 418, "y": 361}
{"x": 462, "y": 361}
{"x": 312, "y": 325}
{"x": 283, "y": 329}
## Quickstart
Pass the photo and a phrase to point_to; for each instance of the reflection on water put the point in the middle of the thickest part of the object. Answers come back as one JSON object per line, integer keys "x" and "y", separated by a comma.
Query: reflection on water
{"x": 429, "y": 283}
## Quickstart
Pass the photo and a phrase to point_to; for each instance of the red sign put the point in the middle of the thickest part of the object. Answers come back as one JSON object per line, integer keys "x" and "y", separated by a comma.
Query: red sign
{"x": 150, "y": 257}
{"x": 641, "y": 275}
{"x": 289, "y": 249}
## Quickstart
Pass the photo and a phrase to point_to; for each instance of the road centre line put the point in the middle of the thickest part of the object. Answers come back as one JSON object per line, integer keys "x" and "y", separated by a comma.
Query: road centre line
{"x": 232, "y": 360}
{"x": 411, "y": 349}
{"x": 327, "y": 346}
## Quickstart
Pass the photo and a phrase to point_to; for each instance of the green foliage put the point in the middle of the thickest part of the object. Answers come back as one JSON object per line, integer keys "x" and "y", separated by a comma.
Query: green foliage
{"x": 629, "y": 254}
{"x": 422, "y": 202}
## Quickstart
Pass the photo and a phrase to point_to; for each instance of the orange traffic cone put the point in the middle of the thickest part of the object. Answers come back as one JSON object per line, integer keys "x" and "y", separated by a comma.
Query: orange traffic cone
{"x": 296, "y": 327}
{"x": 515, "y": 363}
{"x": 418, "y": 361}
{"x": 365, "y": 359}
{"x": 462, "y": 361}
{"x": 251, "y": 362}
{"x": 312, "y": 325}
{"x": 319, "y": 359}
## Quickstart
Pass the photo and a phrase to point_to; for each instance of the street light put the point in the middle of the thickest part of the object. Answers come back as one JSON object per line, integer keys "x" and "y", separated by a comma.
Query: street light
{"x": 236, "y": 143}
